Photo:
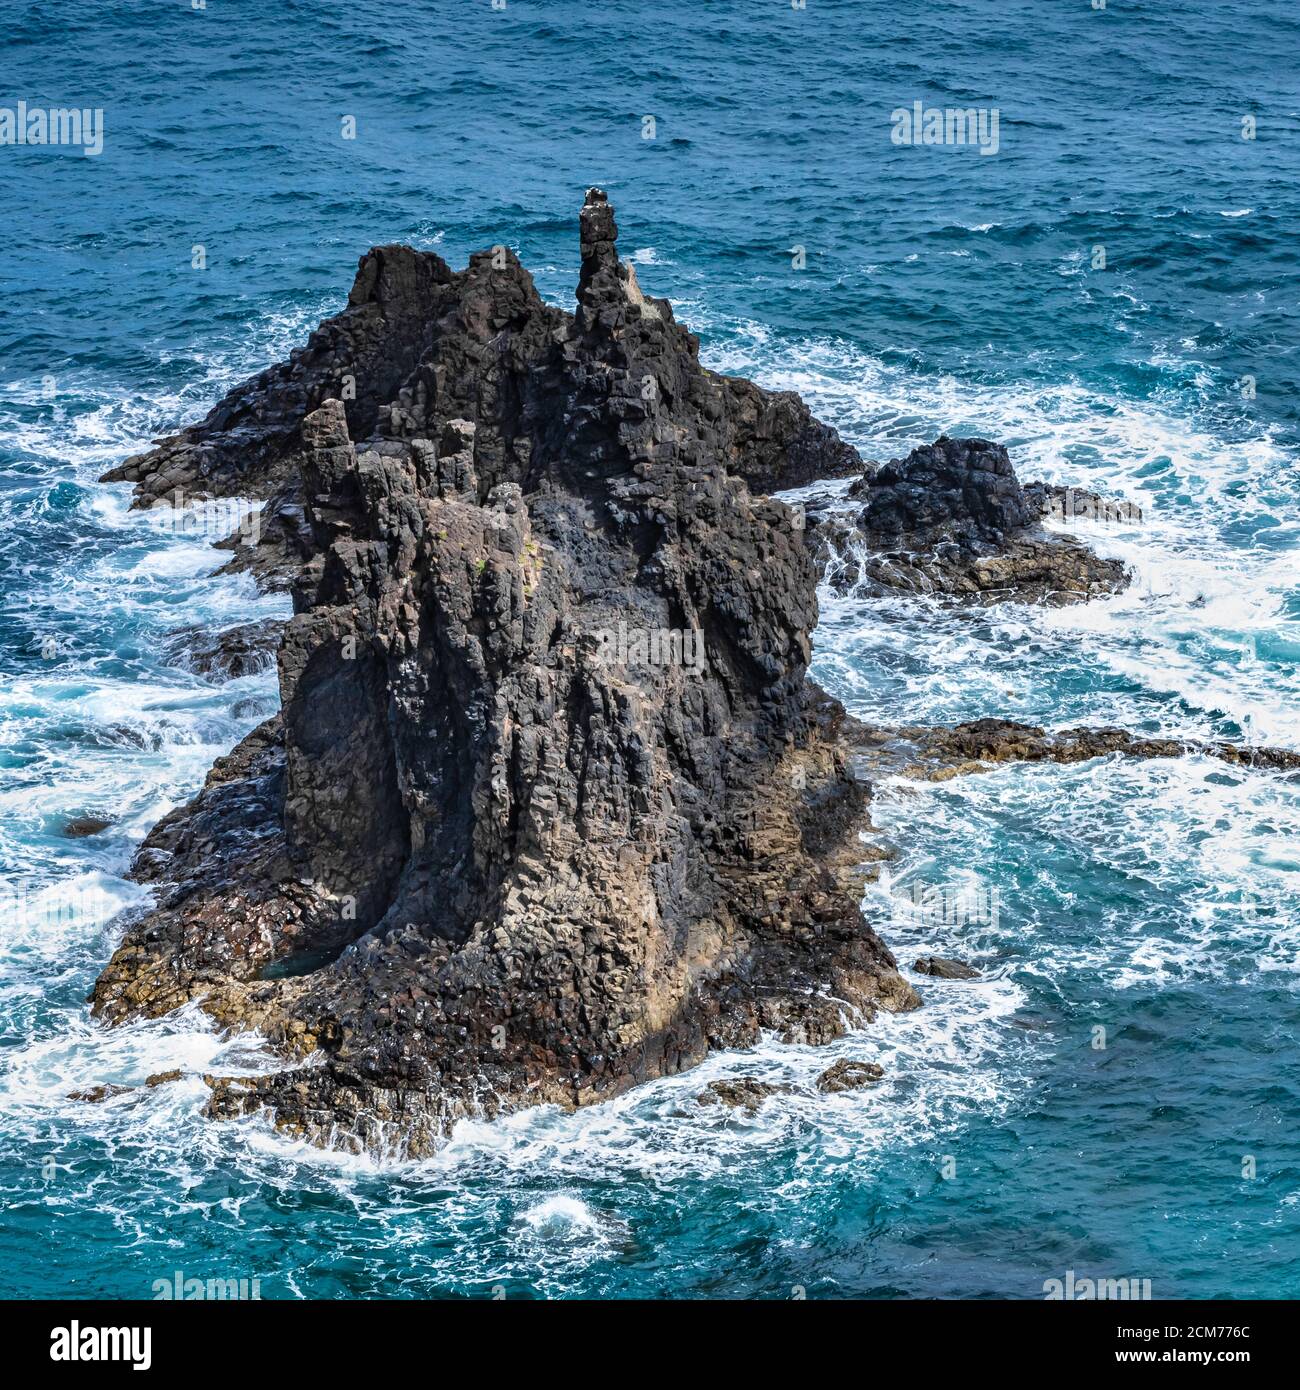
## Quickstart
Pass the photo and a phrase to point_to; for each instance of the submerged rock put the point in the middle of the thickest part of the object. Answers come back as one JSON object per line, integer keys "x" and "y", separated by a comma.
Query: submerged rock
{"x": 229, "y": 654}
{"x": 984, "y": 742}
{"x": 745, "y": 1093}
{"x": 81, "y": 827}
{"x": 952, "y": 520}
{"x": 938, "y": 753}
{"x": 551, "y": 807}
{"x": 849, "y": 1075}
{"x": 163, "y": 1078}
{"x": 945, "y": 969}
{"x": 96, "y": 1095}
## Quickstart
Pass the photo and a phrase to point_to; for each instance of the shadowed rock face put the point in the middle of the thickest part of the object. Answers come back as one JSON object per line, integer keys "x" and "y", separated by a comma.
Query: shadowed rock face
{"x": 551, "y": 807}
{"x": 952, "y": 520}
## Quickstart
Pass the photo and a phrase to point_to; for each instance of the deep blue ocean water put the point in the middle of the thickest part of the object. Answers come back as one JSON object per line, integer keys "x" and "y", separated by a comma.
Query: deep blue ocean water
{"x": 944, "y": 291}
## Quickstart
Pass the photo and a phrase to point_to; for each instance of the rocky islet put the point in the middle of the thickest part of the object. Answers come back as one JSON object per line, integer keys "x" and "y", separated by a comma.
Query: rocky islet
{"x": 483, "y": 858}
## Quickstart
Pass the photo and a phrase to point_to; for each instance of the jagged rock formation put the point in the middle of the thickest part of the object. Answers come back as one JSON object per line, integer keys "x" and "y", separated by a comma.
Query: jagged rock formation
{"x": 849, "y": 1075}
{"x": 952, "y": 520}
{"x": 965, "y": 485}
{"x": 248, "y": 445}
{"x": 551, "y": 807}
{"x": 420, "y": 348}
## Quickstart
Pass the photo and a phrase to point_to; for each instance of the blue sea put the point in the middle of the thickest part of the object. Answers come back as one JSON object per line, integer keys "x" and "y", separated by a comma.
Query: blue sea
{"x": 1119, "y": 1094}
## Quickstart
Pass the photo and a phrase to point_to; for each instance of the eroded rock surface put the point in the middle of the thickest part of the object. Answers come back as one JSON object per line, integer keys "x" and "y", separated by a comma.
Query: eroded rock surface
{"x": 849, "y": 1075}
{"x": 952, "y": 520}
{"x": 551, "y": 807}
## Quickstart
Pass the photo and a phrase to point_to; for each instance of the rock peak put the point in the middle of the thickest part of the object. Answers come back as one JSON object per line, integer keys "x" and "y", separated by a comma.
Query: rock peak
{"x": 600, "y": 280}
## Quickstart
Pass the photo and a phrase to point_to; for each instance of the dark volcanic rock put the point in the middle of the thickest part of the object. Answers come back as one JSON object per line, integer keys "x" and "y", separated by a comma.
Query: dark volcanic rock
{"x": 422, "y": 349}
{"x": 551, "y": 807}
{"x": 952, "y": 520}
{"x": 945, "y": 969}
{"x": 849, "y": 1075}
{"x": 777, "y": 443}
{"x": 939, "y": 753}
{"x": 248, "y": 444}
{"x": 280, "y": 543}
{"x": 965, "y": 485}
{"x": 234, "y": 652}
{"x": 1005, "y": 740}
{"x": 82, "y": 827}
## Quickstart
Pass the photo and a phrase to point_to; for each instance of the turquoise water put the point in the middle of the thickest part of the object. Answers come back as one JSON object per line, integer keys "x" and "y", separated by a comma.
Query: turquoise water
{"x": 943, "y": 291}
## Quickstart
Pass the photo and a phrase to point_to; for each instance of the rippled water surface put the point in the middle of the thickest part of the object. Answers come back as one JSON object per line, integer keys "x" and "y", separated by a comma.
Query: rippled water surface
{"x": 1151, "y": 907}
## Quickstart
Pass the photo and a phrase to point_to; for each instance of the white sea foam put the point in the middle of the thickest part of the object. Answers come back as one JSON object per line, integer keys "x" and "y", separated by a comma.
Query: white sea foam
{"x": 1144, "y": 872}
{"x": 92, "y": 722}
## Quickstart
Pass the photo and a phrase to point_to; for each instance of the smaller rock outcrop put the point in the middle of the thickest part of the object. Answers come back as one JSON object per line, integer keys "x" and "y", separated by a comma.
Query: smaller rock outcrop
{"x": 849, "y": 1075}
{"x": 82, "y": 827}
{"x": 964, "y": 487}
{"x": 745, "y": 1093}
{"x": 230, "y": 654}
{"x": 1053, "y": 502}
{"x": 991, "y": 741}
{"x": 937, "y": 753}
{"x": 944, "y": 969}
{"x": 952, "y": 520}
